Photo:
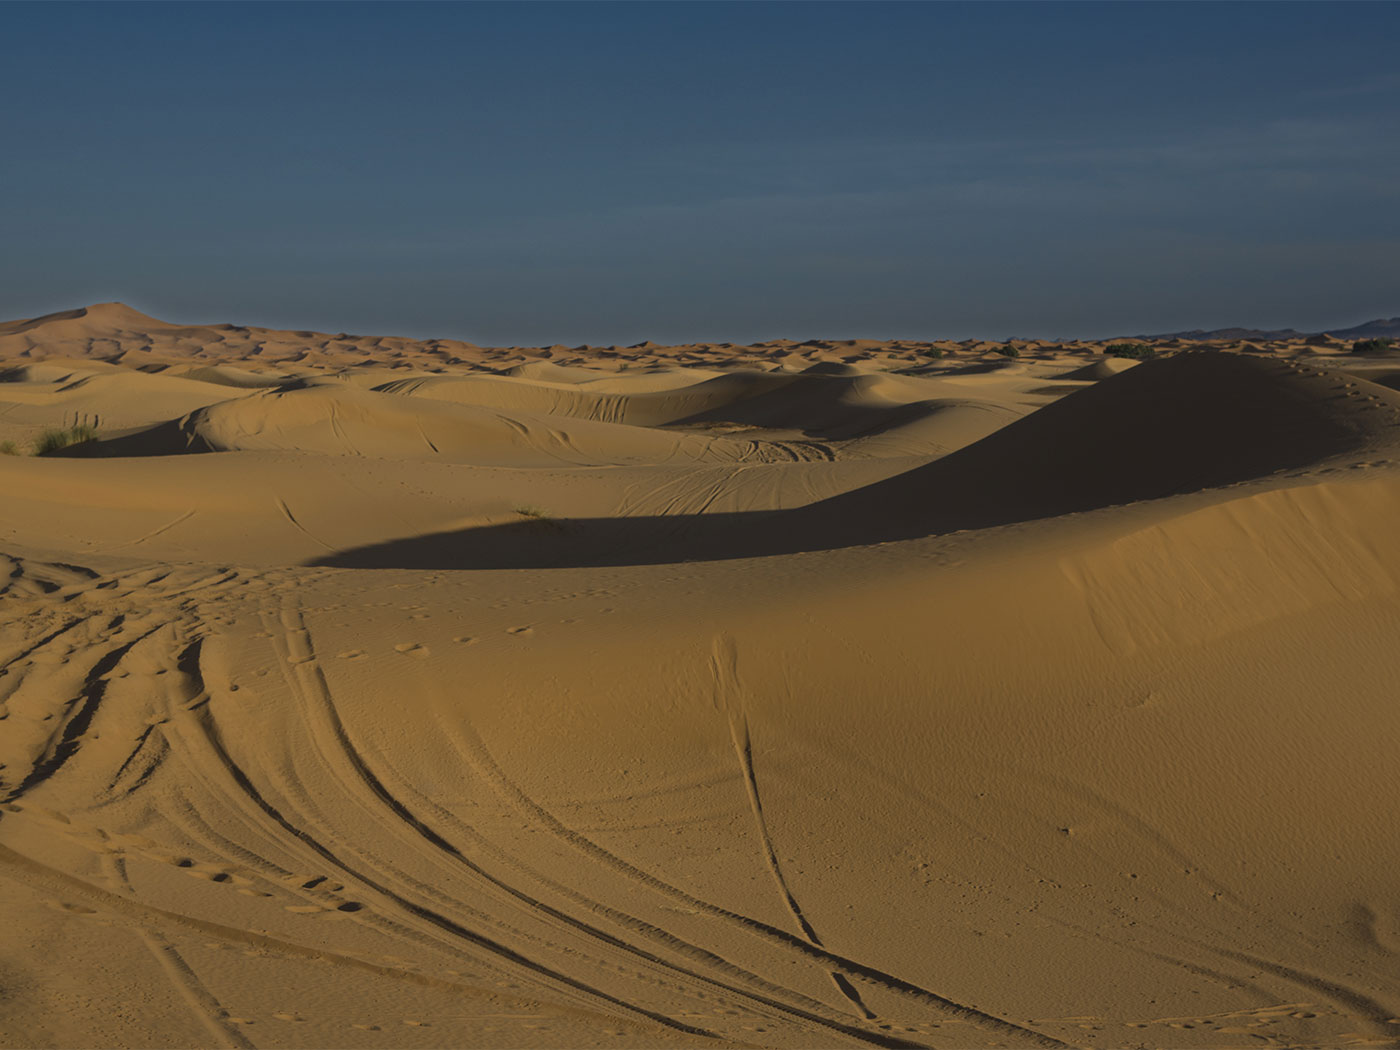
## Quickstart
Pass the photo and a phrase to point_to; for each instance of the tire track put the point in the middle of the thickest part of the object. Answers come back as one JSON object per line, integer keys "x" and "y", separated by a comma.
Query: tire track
{"x": 809, "y": 1012}
{"x": 202, "y": 1003}
{"x": 67, "y": 736}
{"x": 38, "y": 875}
{"x": 743, "y": 747}
{"x": 472, "y": 749}
{"x": 729, "y": 698}
{"x": 459, "y": 933}
{"x": 209, "y": 1010}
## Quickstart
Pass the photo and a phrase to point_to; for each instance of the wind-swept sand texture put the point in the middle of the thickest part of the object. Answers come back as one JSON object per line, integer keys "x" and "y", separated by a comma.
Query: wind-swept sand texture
{"x": 369, "y": 693}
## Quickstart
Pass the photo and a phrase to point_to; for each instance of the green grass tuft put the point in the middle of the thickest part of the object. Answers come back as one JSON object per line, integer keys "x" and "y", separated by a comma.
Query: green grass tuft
{"x": 55, "y": 438}
{"x": 8, "y": 448}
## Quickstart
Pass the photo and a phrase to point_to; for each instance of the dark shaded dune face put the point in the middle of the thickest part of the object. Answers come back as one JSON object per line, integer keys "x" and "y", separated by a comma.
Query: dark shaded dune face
{"x": 813, "y": 401}
{"x": 1188, "y": 423}
{"x": 1386, "y": 377}
{"x": 830, "y": 406}
{"x": 832, "y": 368}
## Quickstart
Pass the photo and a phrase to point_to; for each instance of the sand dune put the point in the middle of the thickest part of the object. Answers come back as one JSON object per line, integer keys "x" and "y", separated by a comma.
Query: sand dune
{"x": 911, "y": 416}
{"x": 336, "y": 419}
{"x": 1122, "y": 443}
{"x": 1190, "y": 423}
{"x": 357, "y": 692}
{"x": 646, "y": 406}
{"x": 38, "y": 397}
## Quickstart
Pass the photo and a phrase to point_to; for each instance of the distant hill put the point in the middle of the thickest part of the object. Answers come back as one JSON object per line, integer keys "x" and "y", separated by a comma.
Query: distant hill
{"x": 1376, "y": 329}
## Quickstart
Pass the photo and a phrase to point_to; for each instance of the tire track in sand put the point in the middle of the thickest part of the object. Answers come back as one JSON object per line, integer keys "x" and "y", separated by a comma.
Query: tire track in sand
{"x": 472, "y": 749}
{"x": 300, "y": 657}
{"x": 729, "y": 698}
{"x": 456, "y": 931}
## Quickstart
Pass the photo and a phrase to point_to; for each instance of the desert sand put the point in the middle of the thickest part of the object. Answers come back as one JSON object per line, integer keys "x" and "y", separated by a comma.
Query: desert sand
{"x": 365, "y": 692}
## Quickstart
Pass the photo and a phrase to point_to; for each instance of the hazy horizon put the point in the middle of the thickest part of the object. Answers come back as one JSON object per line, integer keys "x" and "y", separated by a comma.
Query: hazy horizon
{"x": 612, "y": 173}
{"x": 332, "y": 329}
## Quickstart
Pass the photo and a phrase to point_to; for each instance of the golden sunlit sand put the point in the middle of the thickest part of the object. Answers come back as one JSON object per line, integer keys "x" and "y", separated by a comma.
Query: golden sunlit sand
{"x": 365, "y": 692}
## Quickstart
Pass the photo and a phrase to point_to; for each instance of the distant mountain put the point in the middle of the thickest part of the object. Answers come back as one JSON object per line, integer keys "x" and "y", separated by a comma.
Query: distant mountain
{"x": 1231, "y": 333}
{"x": 1376, "y": 329}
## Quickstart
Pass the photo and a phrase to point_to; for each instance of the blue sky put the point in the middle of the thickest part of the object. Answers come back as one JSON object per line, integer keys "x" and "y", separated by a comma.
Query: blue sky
{"x": 533, "y": 173}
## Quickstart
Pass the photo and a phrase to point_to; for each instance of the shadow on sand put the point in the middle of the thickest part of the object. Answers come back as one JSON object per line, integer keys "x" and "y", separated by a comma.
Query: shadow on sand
{"x": 1193, "y": 422}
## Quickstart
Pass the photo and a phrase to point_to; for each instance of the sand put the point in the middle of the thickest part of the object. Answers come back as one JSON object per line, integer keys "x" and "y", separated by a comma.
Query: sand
{"x": 364, "y": 692}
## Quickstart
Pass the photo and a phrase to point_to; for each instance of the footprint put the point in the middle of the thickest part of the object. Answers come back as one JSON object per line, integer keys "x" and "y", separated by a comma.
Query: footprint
{"x": 366, "y": 1027}
{"x": 351, "y": 654}
{"x": 414, "y": 649}
{"x": 520, "y": 630}
{"x": 465, "y": 640}
{"x": 289, "y": 1017}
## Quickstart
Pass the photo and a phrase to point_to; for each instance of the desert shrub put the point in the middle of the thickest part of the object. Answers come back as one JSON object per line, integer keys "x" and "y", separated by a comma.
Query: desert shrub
{"x": 1135, "y": 351}
{"x": 1009, "y": 350}
{"x": 8, "y": 448}
{"x": 56, "y": 438}
{"x": 933, "y": 352}
{"x": 1372, "y": 346}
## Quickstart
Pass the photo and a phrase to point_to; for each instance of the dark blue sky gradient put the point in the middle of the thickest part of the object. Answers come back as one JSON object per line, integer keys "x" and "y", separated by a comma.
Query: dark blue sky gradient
{"x": 539, "y": 173}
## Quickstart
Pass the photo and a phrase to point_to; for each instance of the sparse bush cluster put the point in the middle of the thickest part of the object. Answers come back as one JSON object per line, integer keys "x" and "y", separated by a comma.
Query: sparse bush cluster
{"x": 1372, "y": 346}
{"x": 1135, "y": 351}
{"x": 1009, "y": 350}
{"x": 56, "y": 438}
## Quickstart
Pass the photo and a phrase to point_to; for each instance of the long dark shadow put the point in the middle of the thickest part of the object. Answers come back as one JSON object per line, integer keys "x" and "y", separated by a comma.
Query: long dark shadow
{"x": 1194, "y": 422}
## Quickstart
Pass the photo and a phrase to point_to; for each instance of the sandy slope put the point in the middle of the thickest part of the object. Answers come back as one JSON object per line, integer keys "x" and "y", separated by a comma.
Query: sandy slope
{"x": 696, "y": 702}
